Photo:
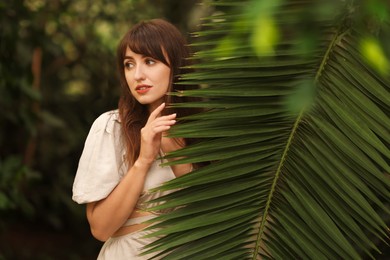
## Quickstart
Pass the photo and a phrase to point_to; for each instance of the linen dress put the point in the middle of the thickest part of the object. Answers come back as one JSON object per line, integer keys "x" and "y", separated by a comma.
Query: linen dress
{"x": 101, "y": 167}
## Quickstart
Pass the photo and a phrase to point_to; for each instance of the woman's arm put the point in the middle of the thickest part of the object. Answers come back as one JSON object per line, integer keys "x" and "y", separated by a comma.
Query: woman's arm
{"x": 108, "y": 215}
{"x": 169, "y": 145}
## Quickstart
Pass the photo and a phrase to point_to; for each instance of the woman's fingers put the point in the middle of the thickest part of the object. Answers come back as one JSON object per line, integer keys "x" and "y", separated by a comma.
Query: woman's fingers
{"x": 159, "y": 126}
{"x": 163, "y": 119}
{"x": 151, "y": 133}
{"x": 163, "y": 125}
{"x": 158, "y": 123}
{"x": 156, "y": 112}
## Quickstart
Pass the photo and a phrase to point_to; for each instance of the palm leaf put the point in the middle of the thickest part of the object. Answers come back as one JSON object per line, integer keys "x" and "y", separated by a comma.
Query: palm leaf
{"x": 298, "y": 141}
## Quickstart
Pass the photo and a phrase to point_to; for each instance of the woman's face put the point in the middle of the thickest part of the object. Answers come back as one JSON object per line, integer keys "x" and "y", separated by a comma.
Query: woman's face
{"x": 147, "y": 78}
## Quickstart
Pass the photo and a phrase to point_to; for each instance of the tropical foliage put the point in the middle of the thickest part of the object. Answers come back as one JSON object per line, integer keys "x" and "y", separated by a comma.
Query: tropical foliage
{"x": 297, "y": 125}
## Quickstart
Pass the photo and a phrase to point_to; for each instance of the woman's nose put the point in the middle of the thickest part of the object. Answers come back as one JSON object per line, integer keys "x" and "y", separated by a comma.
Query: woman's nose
{"x": 139, "y": 73}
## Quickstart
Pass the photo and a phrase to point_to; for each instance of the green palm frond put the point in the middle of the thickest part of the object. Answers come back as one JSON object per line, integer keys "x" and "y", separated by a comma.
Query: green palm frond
{"x": 298, "y": 141}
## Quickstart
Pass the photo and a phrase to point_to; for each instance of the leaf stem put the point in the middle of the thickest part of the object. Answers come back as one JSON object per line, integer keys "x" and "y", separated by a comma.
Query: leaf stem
{"x": 337, "y": 36}
{"x": 273, "y": 187}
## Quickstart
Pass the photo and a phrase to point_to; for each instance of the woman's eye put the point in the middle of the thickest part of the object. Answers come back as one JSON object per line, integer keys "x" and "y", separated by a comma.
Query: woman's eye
{"x": 150, "y": 61}
{"x": 129, "y": 65}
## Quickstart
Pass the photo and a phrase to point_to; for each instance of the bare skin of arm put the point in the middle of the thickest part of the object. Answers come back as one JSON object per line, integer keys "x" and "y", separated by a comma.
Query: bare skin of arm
{"x": 169, "y": 145}
{"x": 108, "y": 215}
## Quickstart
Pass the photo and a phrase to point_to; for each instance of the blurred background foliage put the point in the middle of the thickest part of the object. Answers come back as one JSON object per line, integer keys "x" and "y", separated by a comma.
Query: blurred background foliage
{"x": 57, "y": 74}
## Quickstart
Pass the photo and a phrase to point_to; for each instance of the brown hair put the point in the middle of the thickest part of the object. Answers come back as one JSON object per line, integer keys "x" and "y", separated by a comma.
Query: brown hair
{"x": 152, "y": 38}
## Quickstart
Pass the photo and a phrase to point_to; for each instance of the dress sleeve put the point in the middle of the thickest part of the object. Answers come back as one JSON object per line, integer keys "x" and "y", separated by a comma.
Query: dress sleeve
{"x": 100, "y": 164}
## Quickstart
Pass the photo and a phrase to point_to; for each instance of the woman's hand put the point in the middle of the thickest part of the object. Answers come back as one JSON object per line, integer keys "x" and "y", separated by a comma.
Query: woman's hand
{"x": 151, "y": 134}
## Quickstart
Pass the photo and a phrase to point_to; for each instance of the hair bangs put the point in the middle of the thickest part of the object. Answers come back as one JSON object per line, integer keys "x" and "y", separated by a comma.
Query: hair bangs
{"x": 145, "y": 42}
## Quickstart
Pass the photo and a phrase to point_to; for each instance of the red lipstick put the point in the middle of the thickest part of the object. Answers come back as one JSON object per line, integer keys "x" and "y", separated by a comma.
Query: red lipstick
{"x": 142, "y": 89}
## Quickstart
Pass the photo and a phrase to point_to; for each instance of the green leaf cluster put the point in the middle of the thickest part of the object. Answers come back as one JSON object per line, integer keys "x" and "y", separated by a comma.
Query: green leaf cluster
{"x": 297, "y": 137}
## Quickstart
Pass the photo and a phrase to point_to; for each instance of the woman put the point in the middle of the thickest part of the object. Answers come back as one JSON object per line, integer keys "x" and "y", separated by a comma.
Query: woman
{"x": 119, "y": 162}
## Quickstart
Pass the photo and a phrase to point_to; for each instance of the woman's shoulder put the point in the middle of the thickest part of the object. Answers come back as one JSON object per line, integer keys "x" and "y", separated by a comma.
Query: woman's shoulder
{"x": 100, "y": 165}
{"x": 108, "y": 121}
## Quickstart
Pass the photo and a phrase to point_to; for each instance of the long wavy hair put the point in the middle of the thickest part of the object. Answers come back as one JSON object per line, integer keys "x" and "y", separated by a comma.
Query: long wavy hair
{"x": 152, "y": 38}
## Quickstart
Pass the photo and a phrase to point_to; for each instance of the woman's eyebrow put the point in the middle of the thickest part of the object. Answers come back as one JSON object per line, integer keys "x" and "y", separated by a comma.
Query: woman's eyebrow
{"x": 132, "y": 58}
{"x": 128, "y": 58}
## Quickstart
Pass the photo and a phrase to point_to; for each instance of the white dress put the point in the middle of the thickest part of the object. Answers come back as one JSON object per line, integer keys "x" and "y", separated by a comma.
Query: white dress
{"x": 101, "y": 167}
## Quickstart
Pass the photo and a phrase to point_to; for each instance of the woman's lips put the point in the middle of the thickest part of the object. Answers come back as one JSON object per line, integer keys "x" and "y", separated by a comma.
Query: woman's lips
{"x": 142, "y": 89}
